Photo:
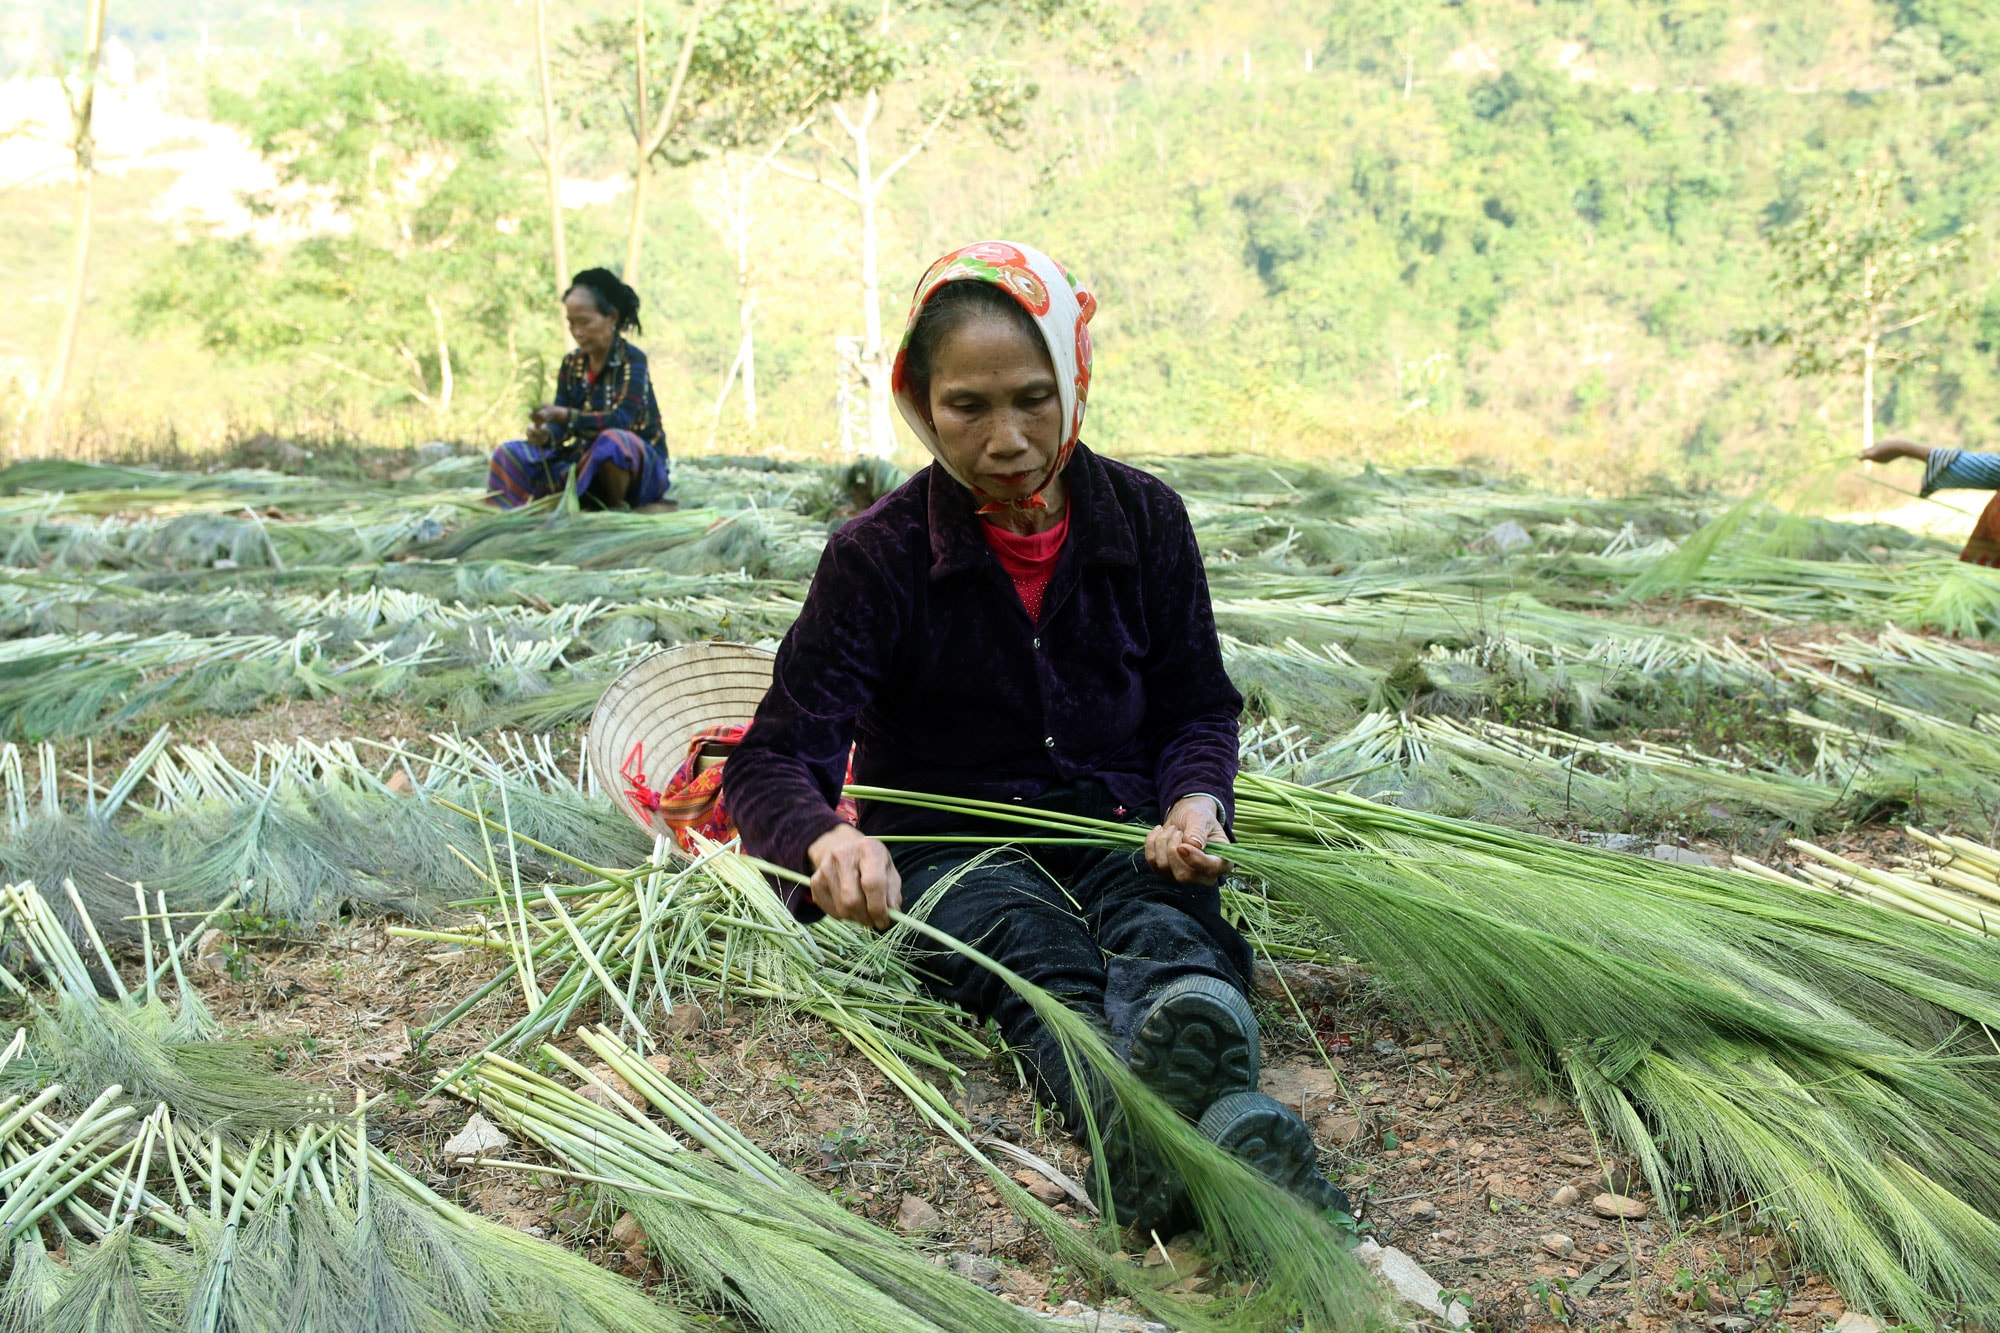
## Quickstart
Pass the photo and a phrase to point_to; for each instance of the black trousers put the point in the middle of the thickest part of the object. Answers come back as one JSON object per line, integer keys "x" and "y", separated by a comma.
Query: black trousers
{"x": 1101, "y": 929}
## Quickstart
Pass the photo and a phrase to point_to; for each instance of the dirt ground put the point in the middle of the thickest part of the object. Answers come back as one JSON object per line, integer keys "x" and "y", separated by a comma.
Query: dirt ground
{"x": 1484, "y": 1180}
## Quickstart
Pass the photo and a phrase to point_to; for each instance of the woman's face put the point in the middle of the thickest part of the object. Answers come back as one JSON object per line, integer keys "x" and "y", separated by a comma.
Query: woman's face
{"x": 592, "y": 329}
{"x": 995, "y": 407}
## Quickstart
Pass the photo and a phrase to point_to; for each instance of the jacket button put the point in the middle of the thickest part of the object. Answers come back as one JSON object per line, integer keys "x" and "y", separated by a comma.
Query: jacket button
{"x": 1049, "y": 741}
{"x": 1038, "y": 643}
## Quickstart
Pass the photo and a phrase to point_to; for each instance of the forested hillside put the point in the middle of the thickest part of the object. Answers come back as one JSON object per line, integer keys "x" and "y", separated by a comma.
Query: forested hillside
{"x": 1519, "y": 231}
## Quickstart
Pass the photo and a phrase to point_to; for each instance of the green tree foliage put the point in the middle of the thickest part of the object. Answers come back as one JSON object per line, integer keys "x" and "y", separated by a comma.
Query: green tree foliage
{"x": 1862, "y": 294}
{"x": 1272, "y": 256}
{"x": 758, "y": 67}
{"x": 417, "y": 270}
{"x": 1967, "y": 30}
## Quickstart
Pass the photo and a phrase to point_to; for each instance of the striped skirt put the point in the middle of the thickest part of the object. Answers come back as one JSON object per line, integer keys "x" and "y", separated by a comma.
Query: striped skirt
{"x": 522, "y": 472}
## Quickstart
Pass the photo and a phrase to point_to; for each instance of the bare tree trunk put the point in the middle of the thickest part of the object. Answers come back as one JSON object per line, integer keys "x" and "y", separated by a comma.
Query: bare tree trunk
{"x": 649, "y": 137}
{"x": 1868, "y": 395}
{"x": 83, "y": 145}
{"x": 1868, "y": 346}
{"x": 740, "y": 178}
{"x": 551, "y": 157}
{"x": 750, "y": 363}
{"x": 866, "y": 194}
{"x": 442, "y": 409}
{"x": 874, "y": 361}
{"x": 746, "y": 296}
{"x": 641, "y": 130}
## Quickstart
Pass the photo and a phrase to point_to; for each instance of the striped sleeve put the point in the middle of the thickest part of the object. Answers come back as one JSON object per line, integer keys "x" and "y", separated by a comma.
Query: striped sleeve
{"x": 1958, "y": 469}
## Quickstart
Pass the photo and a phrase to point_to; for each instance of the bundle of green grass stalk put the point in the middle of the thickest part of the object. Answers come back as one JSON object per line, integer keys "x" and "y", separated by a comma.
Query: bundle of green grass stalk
{"x": 1827, "y": 1066}
{"x": 192, "y": 1190}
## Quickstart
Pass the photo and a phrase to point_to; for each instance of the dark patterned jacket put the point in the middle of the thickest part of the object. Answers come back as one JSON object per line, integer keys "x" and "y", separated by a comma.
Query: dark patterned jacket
{"x": 914, "y": 647}
{"x": 621, "y": 399}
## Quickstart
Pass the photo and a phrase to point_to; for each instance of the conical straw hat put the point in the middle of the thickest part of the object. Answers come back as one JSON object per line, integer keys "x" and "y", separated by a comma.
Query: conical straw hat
{"x": 662, "y": 702}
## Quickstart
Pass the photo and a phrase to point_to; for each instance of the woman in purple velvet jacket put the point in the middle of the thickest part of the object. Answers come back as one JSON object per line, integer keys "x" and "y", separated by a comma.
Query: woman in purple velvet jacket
{"x": 1026, "y": 621}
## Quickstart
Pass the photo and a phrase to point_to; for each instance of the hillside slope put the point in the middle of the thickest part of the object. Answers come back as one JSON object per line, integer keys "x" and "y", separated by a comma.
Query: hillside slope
{"x": 1406, "y": 229}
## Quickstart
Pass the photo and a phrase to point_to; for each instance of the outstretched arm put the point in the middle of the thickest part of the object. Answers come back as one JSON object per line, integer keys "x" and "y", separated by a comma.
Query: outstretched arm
{"x": 1883, "y": 451}
{"x": 1944, "y": 469}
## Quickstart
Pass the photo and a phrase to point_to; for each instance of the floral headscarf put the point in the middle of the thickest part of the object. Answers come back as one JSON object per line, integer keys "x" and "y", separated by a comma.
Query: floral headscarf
{"x": 1061, "y": 307}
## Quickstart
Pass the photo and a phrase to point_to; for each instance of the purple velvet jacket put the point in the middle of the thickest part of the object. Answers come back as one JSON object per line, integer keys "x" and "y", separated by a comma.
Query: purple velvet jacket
{"x": 914, "y": 648}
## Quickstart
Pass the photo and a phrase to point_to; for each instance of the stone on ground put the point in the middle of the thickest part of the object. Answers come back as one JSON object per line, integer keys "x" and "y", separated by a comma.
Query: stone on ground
{"x": 915, "y": 1216}
{"x": 479, "y": 1137}
{"x": 1406, "y": 1278}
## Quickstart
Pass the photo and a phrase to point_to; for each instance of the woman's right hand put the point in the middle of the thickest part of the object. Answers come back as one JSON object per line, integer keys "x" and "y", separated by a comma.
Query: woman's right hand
{"x": 538, "y": 435}
{"x": 853, "y": 877}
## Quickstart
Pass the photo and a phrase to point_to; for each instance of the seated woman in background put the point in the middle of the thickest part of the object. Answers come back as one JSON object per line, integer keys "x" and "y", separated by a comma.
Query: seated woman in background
{"x": 1027, "y": 621}
{"x": 604, "y": 427}
{"x": 1955, "y": 469}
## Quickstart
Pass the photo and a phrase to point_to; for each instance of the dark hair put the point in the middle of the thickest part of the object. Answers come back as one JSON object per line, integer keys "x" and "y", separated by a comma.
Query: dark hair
{"x": 951, "y": 308}
{"x": 610, "y": 295}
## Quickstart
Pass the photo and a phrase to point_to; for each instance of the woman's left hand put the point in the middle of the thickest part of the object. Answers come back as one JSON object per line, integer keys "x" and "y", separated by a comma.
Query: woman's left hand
{"x": 1178, "y": 846}
{"x": 550, "y": 415}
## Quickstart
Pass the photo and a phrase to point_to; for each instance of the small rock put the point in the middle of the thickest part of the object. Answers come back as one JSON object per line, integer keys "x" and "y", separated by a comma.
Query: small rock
{"x": 433, "y": 451}
{"x": 1621, "y": 1180}
{"x": 1856, "y": 1322}
{"x": 1432, "y": 1102}
{"x": 1104, "y": 1321}
{"x": 1731, "y": 1323}
{"x": 1423, "y": 1210}
{"x": 1387, "y": 1049}
{"x": 628, "y": 1234}
{"x": 1307, "y": 1090}
{"x": 1561, "y": 1246}
{"x": 1287, "y": 982}
{"x": 1566, "y": 1195}
{"x": 1613, "y": 842}
{"x": 687, "y": 1019}
{"x": 1185, "y": 1263}
{"x": 1618, "y": 1205}
{"x": 1666, "y": 851}
{"x": 975, "y": 1269}
{"x": 1341, "y": 1129}
{"x": 1018, "y": 1286}
{"x": 210, "y": 951}
{"x": 590, "y": 1092}
{"x": 1575, "y": 1159}
{"x": 1507, "y": 537}
{"x": 1430, "y": 1050}
{"x": 274, "y": 451}
{"x": 1040, "y": 1186}
{"x": 1406, "y": 1277}
{"x": 479, "y": 1137}
{"x": 917, "y": 1217}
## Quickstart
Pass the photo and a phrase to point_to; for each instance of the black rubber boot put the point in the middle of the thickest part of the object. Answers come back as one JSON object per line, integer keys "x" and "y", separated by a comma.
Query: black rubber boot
{"x": 1198, "y": 1042}
{"x": 1271, "y": 1139}
{"x": 1145, "y": 1191}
